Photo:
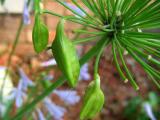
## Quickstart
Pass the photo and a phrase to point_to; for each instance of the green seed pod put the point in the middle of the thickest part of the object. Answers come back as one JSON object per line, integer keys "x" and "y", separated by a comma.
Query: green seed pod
{"x": 93, "y": 100}
{"x": 40, "y": 35}
{"x": 65, "y": 55}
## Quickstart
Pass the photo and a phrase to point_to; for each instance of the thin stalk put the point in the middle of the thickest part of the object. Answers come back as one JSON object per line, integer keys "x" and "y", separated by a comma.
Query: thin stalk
{"x": 78, "y": 34}
{"x": 98, "y": 58}
{"x": 134, "y": 84}
{"x": 146, "y": 67}
{"x": 77, "y": 20}
{"x": 37, "y": 6}
{"x": 76, "y": 13}
{"x": 128, "y": 46}
{"x": 91, "y": 18}
{"x": 89, "y": 32}
{"x": 90, "y": 54}
{"x": 16, "y": 40}
{"x": 10, "y": 58}
{"x": 117, "y": 64}
{"x": 153, "y": 79}
{"x": 11, "y": 54}
{"x": 82, "y": 40}
{"x": 72, "y": 19}
{"x": 51, "y": 13}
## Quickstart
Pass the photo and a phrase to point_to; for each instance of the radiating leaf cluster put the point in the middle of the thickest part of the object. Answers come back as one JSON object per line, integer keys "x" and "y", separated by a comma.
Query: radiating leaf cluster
{"x": 126, "y": 23}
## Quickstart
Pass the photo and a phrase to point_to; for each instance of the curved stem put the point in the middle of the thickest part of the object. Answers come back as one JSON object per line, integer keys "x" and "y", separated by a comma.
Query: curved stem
{"x": 51, "y": 13}
{"x": 117, "y": 64}
{"x": 90, "y": 54}
{"x": 10, "y": 58}
{"x": 134, "y": 84}
{"x": 77, "y": 20}
{"x": 11, "y": 54}
{"x": 98, "y": 58}
{"x": 83, "y": 40}
{"x": 37, "y": 6}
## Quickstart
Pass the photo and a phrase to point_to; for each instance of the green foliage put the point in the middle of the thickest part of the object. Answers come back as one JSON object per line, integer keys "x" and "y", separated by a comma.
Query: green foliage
{"x": 90, "y": 54}
{"x": 122, "y": 23}
{"x": 2, "y": 2}
{"x": 65, "y": 55}
{"x": 135, "y": 107}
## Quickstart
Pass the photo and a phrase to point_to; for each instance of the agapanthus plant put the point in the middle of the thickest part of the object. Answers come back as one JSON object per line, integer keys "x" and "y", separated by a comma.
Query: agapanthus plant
{"x": 122, "y": 24}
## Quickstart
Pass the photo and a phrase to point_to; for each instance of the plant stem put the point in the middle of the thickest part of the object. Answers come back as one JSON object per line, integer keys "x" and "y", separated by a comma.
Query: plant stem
{"x": 11, "y": 54}
{"x": 90, "y": 54}
{"x": 10, "y": 58}
{"x": 98, "y": 58}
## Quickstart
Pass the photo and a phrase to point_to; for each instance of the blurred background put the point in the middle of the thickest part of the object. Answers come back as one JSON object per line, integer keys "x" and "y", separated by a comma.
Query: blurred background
{"x": 122, "y": 102}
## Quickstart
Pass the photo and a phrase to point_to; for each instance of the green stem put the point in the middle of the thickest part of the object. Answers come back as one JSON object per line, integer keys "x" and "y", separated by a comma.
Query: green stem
{"x": 89, "y": 32}
{"x": 117, "y": 64}
{"x": 78, "y": 34}
{"x": 77, "y": 20}
{"x": 51, "y": 13}
{"x": 83, "y": 40}
{"x": 90, "y": 54}
{"x": 37, "y": 7}
{"x": 10, "y": 58}
{"x": 11, "y": 54}
{"x": 98, "y": 58}
{"x": 134, "y": 84}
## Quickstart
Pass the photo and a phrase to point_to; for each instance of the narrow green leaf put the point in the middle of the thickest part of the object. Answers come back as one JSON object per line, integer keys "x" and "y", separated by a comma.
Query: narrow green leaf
{"x": 146, "y": 67}
{"x": 134, "y": 84}
{"x": 148, "y": 12}
{"x": 117, "y": 64}
{"x": 135, "y": 8}
{"x": 126, "y": 6}
{"x": 87, "y": 14}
